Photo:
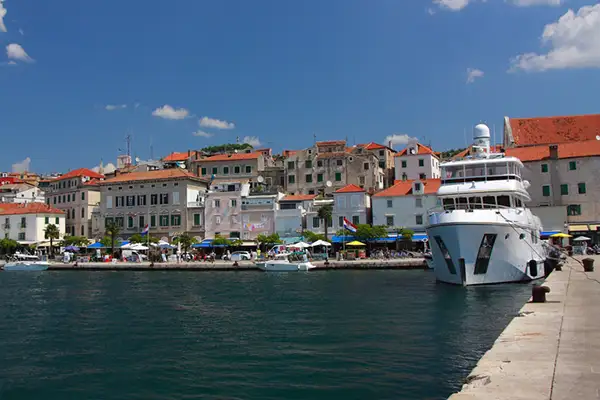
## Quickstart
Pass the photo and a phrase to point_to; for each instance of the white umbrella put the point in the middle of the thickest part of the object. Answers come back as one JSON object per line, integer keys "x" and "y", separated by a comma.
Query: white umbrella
{"x": 581, "y": 239}
{"x": 300, "y": 245}
{"x": 127, "y": 246}
{"x": 320, "y": 243}
{"x": 139, "y": 247}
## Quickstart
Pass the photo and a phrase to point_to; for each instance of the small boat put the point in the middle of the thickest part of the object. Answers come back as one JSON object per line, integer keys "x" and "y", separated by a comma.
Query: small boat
{"x": 286, "y": 262}
{"x": 25, "y": 262}
{"x": 429, "y": 259}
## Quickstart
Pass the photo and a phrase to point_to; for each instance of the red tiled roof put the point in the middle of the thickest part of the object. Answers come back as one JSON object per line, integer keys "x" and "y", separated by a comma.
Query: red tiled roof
{"x": 548, "y": 130}
{"x": 287, "y": 153}
{"x": 497, "y": 149}
{"x": 332, "y": 143}
{"x": 350, "y": 189}
{"x": 299, "y": 197}
{"x": 179, "y": 156}
{"x": 421, "y": 149}
{"x": 372, "y": 146}
{"x": 162, "y": 174}
{"x": 27, "y": 208}
{"x": 588, "y": 148}
{"x": 80, "y": 172}
{"x": 404, "y": 188}
{"x": 233, "y": 157}
{"x": 93, "y": 182}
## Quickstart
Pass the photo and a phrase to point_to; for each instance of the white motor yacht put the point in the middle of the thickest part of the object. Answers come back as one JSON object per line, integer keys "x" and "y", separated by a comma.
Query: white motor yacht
{"x": 25, "y": 262}
{"x": 285, "y": 262}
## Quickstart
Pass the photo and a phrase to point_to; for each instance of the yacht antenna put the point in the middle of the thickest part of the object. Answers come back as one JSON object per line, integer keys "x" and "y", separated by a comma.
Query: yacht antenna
{"x": 465, "y": 137}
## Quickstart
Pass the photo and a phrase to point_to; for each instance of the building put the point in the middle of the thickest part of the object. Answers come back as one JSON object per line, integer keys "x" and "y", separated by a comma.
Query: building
{"x": 77, "y": 194}
{"x": 329, "y": 166}
{"x": 26, "y": 222}
{"x": 259, "y": 209}
{"x": 406, "y": 204}
{"x": 564, "y": 185}
{"x": 224, "y": 209}
{"x": 170, "y": 201}
{"x": 385, "y": 156}
{"x": 27, "y": 177}
{"x": 417, "y": 161}
{"x": 21, "y": 193}
{"x": 290, "y": 218}
{"x": 351, "y": 202}
{"x": 232, "y": 167}
{"x": 179, "y": 159}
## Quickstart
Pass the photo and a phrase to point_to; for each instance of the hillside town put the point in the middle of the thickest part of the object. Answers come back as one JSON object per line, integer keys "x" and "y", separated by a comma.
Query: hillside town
{"x": 241, "y": 193}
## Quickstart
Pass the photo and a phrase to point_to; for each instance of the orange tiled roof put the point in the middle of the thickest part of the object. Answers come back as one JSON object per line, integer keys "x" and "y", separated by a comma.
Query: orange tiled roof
{"x": 179, "y": 156}
{"x": 161, "y": 174}
{"x": 232, "y": 157}
{"x": 421, "y": 149}
{"x": 497, "y": 148}
{"x": 80, "y": 172}
{"x": 287, "y": 153}
{"x": 372, "y": 146}
{"x": 332, "y": 143}
{"x": 404, "y": 188}
{"x": 548, "y": 130}
{"x": 350, "y": 189}
{"x": 27, "y": 208}
{"x": 588, "y": 148}
{"x": 299, "y": 197}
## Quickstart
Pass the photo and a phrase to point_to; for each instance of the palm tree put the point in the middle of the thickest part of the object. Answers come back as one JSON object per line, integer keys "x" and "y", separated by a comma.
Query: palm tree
{"x": 186, "y": 242}
{"x": 112, "y": 230}
{"x": 324, "y": 214}
{"x": 51, "y": 232}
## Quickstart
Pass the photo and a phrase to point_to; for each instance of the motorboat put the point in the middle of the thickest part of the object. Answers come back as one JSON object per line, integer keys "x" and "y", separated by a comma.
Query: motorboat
{"x": 286, "y": 262}
{"x": 482, "y": 232}
{"x": 25, "y": 262}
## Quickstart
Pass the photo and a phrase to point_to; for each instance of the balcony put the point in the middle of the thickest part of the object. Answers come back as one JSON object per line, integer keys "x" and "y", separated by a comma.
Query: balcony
{"x": 23, "y": 225}
{"x": 6, "y": 226}
{"x": 195, "y": 204}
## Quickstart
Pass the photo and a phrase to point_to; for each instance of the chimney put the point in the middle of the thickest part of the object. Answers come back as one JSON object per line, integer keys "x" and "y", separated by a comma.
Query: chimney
{"x": 554, "y": 152}
{"x": 189, "y": 153}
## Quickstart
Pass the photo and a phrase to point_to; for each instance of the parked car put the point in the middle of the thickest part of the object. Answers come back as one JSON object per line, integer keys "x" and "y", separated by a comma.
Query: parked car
{"x": 240, "y": 256}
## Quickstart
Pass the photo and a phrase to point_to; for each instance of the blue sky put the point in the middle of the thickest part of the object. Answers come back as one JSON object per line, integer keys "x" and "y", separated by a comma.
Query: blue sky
{"x": 280, "y": 71}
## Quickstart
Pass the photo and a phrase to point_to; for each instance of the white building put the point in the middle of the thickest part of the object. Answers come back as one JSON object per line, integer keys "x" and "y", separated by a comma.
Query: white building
{"x": 290, "y": 218}
{"x": 353, "y": 203}
{"x": 258, "y": 213}
{"x": 224, "y": 209}
{"x": 417, "y": 161}
{"x": 405, "y": 204}
{"x": 21, "y": 193}
{"x": 26, "y": 222}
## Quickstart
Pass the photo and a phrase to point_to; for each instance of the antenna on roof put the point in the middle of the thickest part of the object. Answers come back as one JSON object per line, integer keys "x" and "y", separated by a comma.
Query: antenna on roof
{"x": 151, "y": 149}
{"x": 493, "y": 137}
{"x": 315, "y": 138}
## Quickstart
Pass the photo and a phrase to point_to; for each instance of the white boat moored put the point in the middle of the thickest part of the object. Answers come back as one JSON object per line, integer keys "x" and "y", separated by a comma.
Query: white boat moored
{"x": 286, "y": 262}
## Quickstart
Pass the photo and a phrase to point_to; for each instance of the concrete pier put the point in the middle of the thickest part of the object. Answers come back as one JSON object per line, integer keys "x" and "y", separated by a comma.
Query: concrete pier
{"x": 550, "y": 350}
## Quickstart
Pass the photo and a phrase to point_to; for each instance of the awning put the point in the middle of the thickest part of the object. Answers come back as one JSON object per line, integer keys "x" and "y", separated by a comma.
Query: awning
{"x": 579, "y": 228}
{"x": 417, "y": 237}
{"x": 248, "y": 244}
{"x": 291, "y": 240}
{"x": 549, "y": 233}
{"x": 206, "y": 243}
{"x": 594, "y": 227}
{"x": 96, "y": 245}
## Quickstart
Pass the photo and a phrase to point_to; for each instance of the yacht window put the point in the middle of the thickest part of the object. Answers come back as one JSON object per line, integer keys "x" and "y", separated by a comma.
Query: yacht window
{"x": 448, "y": 204}
{"x": 489, "y": 202}
{"x": 475, "y": 203}
{"x": 491, "y": 171}
{"x": 446, "y": 255}
{"x": 518, "y": 202}
{"x": 504, "y": 201}
{"x": 484, "y": 253}
{"x": 462, "y": 203}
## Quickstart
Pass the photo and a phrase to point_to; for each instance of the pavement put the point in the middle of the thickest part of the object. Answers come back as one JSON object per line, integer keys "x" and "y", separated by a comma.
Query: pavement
{"x": 550, "y": 350}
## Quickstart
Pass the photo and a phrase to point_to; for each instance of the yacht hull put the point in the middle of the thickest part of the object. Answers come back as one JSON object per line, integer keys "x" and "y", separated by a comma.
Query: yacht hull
{"x": 509, "y": 253}
{"x": 25, "y": 266}
{"x": 281, "y": 266}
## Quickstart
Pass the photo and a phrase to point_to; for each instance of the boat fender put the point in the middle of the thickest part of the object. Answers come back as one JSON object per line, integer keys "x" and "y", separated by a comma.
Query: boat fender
{"x": 538, "y": 293}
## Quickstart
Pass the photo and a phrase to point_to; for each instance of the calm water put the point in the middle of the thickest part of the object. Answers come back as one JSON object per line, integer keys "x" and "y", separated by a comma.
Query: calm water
{"x": 185, "y": 335}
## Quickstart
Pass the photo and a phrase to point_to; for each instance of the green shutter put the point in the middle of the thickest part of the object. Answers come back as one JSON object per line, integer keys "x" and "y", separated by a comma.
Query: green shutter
{"x": 544, "y": 167}
{"x": 196, "y": 219}
{"x": 153, "y": 220}
{"x": 203, "y": 171}
{"x": 56, "y": 220}
{"x": 581, "y": 188}
{"x": 319, "y": 177}
{"x": 572, "y": 165}
{"x": 546, "y": 190}
{"x": 403, "y": 164}
{"x": 564, "y": 190}
{"x": 338, "y": 176}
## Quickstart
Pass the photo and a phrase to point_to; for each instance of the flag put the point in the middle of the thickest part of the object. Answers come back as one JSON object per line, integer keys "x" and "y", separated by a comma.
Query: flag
{"x": 145, "y": 230}
{"x": 349, "y": 225}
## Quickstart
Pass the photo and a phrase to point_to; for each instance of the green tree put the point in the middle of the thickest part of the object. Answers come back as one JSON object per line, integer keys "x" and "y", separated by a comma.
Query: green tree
{"x": 312, "y": 237}
{"x": 325, "y": 212}
{"x": 51, "y": 233}
{"x": 112, "y": 230}
{"x": 143, "y": 239}
{"x": 186, "y": 242}
{"x": 8, "y": 245}
{"x": 221, "y": 241}
{"x": 266, "y": 240}
{"x": 105, "y": 241}
{"x": 366, "y": 233}
{"x": 226, "y": 148}
{"x": 78, "y": 241}
{"x": 403, "y": 235}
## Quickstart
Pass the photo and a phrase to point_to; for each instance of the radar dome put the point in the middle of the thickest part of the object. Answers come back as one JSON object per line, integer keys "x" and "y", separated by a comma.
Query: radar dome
{"x": 481, "y": 131}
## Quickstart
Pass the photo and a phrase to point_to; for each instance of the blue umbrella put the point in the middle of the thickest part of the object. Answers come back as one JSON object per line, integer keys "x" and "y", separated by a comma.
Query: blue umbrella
{"x": 71, "y": 248}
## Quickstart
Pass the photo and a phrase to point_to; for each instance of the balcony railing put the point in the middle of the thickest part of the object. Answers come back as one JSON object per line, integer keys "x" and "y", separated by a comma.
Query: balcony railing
{"x": 6, "y": 226}
{"x": 23, "y": 225}
{"x": 194, "y": 204}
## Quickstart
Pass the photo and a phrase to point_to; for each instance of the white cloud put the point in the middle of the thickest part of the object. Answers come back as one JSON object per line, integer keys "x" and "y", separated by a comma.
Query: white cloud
{"x": 106, "y": 169}
{"x": 2, "y": 15}
{"x": 252, "y": 140}
{"x": 452, "y": 5}
{"x": 22, "y": 166}
{"x": 574, "y": 42}
{"x": 200, "y": 133}
{"x": 111, "y": 107}
{"x": 529, "y": 3}
{"x": 398, "y": 139}
{"x": 168, "y": 112}
{"x": 22, "y": 32}
{"x": 16, "y": 52}
{"x": 473, "y": 73}
{"x": 215, "y": 123}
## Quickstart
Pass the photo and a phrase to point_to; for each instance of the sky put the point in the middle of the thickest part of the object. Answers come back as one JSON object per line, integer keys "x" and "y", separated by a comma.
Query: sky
{"x": 76, "y": 77}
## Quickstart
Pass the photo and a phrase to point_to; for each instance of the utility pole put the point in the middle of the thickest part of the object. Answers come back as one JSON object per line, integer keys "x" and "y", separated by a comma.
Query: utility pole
{"x": 128, "y": 142}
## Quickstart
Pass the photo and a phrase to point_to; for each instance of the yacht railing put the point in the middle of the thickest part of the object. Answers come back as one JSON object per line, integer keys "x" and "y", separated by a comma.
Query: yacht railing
{"x": 468, "y": 208}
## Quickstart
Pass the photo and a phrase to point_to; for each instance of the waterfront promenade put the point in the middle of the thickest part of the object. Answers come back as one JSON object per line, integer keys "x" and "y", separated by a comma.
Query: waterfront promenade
{"x": 551, "y": 350}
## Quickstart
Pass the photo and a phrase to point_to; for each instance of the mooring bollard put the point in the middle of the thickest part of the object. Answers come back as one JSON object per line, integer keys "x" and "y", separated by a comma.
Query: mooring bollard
{"x": 538, "y": 293}
{"x": 588, "y": 264}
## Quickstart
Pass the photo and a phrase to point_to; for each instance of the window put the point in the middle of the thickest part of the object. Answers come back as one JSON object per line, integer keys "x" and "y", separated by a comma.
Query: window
{"x": 108, "y": 221}
{"x": 504, "y": 201}
{"x": 197, "y": 220}
{"x": 175, "y": 197}
{"x": 361, "y": 180}
{"x": 130, "y": 222}
{"x": 141, "y": 200}
{"x": 248, "y": 169}
{"x": 341, "y": 221}
{"x": 421, "y": 162}
{"x": 21, "y": 235}
{"x": 319, "y": 163}
{"x": 366, "y": 166}
{"x": 316, "y": 222}
{"x": 82, "y": 196}
{"x": 417, "y": 187}
{"x": 418, "y": 202}
{"x": 153, "y": 199}
{"x": 291, "y": 179}
{"x": 308, "y": 178}
{"x": 390, "y": 203}
{"x": 484, "y": 253}
{"x": 56, "y": 220}
{"x": 233, "y": 203}
{"x": 225, "y": 170}
{"x": 338, "y": 176}
{"x": 175, "y": 220}
{"x": 119, "y": 201}
{"x": 546, "y": 190}
{"x": 574, "y": 209}
{"x": 403, "y": 163}
{"x": 217, "y": 203}
{"x": 83, "y": 212}
{"x": 572, "y": 165}
{"x": 581, "y": 188}
{"x": 119, "y": 221}
{"x": 163, "y": 220}
{"x": 141, "y": 220}
{"x": 355, "y": 219}
{"x": 544, "y": 168}
{"x": 381, "y": 153}
{"x": 82, "y": 230}
{"x": 389, "y": 220}
{"x": 422, "y": 176}
{"x": 319, "y": 177}
{"x": 54, "y": 200}
{"x": 419, "y": 219}
{"x": 164, "y": 198}
{"x": 381, "y": 164}
{"x": 340, "y": 162}
{"x": 445, "y": 254}
{"x": 203, "y": 171}
{"x": 215, "y": 170}
{"x": 152, "y": 221}
{"x": 564, "y": 190}
{"x": 130, "y": 201}
{"x": 218, "y": 219}
{"x": 291, "y": 165}
{"x": 308, "y": 164}
{"x": 47, "y": 220}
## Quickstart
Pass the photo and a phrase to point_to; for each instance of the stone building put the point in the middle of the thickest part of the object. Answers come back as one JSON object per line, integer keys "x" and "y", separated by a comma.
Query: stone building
{"x": 417, "y": 161}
